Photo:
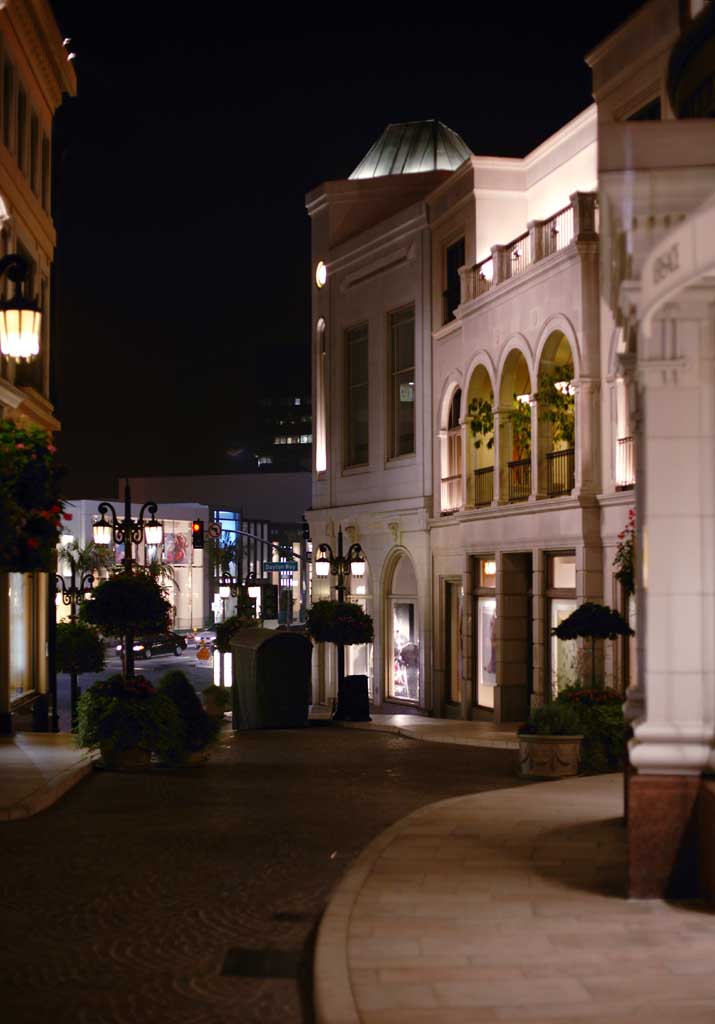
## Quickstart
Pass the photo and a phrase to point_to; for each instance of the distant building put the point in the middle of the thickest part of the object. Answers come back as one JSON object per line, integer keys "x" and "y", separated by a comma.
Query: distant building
{"x": 35, "y": 73}
{"x": 284, "y": 438}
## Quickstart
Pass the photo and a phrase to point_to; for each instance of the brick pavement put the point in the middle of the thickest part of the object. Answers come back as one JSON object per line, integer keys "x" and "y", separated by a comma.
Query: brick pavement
{"x": 120, "y": 903}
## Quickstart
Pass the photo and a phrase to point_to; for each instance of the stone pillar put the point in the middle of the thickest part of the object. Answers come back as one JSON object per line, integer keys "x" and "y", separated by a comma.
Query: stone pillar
{"x": 540, "y": 445}
{"x": 536, "y": 240}
{"x": 673, "y": 740}
{"x": 514, "y": 631}
{"x": 502, "y": 270}
{"x": 464, "y": 465}
{"x": 502, "y": 451}
{"x": 584, "y": 215}
{"x": 587, "y": 474}
{"x": 538, "y": 604}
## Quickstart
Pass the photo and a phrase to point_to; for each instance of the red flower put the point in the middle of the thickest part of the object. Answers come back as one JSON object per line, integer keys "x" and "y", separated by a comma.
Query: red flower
{"x": 67, "y": 516}
{"x": 56, "y": 509}
{"x": 33, "y": 542}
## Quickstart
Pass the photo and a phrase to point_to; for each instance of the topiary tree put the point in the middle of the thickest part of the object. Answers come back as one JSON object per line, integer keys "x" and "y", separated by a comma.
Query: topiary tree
{"x": 78, "y": 649}
{"x": 128, "y": 604}
{"x": 594, "y": 621}
{"x": 200, "y": 729}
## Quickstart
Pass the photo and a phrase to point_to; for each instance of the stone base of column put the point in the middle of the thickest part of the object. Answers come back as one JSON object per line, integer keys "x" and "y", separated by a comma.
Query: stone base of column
{"x": 662, "y": 836}
{"x": 706, "y": 839}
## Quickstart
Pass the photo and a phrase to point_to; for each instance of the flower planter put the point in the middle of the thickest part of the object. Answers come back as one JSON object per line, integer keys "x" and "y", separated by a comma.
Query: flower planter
{"x": 548, "y": 757}
{"x": 134, "y": 759}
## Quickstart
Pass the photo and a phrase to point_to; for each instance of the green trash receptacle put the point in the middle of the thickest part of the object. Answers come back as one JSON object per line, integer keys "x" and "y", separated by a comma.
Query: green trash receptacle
{"x": 271, "y": 679}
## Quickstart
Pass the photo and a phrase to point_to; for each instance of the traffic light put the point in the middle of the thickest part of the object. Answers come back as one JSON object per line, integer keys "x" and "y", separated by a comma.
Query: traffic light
{"x": 197, "y": 533}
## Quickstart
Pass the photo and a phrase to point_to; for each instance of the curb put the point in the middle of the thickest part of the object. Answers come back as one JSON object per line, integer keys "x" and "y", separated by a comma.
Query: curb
{"x": 49, "y": 793}
{"x": 422, "y": 734}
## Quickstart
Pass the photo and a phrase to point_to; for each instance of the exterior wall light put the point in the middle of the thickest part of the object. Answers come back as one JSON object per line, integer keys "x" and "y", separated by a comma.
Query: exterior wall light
{"x": 565, "y": 387}
{"x": 524, "y": 399}
{"x": 20, "y": 316}
{"x": 490, "y": 568}
{"x": 321, "y": 274}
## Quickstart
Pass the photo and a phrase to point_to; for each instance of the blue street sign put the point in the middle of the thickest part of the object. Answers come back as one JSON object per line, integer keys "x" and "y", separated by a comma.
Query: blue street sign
{"x": 280, "y": 566}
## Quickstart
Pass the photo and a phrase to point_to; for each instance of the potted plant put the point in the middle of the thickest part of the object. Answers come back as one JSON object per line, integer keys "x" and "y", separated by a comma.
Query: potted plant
{"x": 200, "y": 730}
{"x": 601, "y": 722}
{"x": 78, "y": 649}
{"x": 128, "y": 720}
{"x": 595, "y": 622}
{"x": 216, "y": 700}
{"x": 339, "y": 622}
{"x": 549, "y": 742}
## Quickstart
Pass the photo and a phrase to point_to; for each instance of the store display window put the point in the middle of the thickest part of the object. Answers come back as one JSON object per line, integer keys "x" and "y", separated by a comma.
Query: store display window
{"x": 485, "y": 619}
{"x": 404, "y": 681}
{"x": 561, "y": 596}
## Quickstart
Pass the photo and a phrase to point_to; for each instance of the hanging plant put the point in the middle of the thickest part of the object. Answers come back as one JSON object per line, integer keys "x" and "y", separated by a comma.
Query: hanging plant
{"x": 519, "y": 417}
{"x": 481, "y": 422}
{"x": 127, "y": 602}
{"x": 339, "y": 622}
{"x": 31, "y": 512}
{"x": 556, "y": 404}
{"x": 625, "y": 561}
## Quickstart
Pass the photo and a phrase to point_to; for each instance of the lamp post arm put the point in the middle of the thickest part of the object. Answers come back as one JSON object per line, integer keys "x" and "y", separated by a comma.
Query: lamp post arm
{"x": 86, "y": 585}
{"x": 137, "y": 527}
{"x": 117, "y": 528}
{"x": 15, "y": 266}
{"x": 355, "y": 553}
{"x": 327, "y": 550}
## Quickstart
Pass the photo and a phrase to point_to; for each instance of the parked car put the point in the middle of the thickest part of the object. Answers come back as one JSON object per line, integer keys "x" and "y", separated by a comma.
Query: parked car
{"x": 148, "y": 646}
{"x": 207, "y": 635}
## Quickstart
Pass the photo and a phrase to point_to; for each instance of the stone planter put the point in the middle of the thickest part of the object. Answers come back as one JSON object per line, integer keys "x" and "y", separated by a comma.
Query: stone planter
{"x": 134, "y": 759}
{"x": 548, "y": 757}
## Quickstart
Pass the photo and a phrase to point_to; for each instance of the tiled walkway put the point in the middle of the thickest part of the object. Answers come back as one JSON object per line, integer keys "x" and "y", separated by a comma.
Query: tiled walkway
{"x": 36, "y": 769}
{"x": 443, "y": 730}
{"x": 509, "y": 907}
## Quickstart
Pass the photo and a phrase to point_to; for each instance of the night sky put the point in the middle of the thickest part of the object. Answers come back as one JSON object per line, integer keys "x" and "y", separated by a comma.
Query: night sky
{"x": 182, "y": 269}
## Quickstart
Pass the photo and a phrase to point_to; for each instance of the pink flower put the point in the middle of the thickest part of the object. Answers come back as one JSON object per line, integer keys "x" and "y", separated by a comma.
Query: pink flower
{"x": 51, "y": 448}
{"x": 20, "y": 446}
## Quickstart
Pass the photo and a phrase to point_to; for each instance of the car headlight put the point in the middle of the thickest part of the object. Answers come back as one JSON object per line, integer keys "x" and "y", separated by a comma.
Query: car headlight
{"x": 119, "y": 647}
{"x": 138, "y": 647}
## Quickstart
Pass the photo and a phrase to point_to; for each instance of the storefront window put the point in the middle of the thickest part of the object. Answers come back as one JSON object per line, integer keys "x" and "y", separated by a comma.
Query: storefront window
{"x": 454, "y": 594}
{"x": 563, "y": 654}
{"x": 404, "y": 668}
{"x": 19, "y": 633}
{"x": 485, "y": 624}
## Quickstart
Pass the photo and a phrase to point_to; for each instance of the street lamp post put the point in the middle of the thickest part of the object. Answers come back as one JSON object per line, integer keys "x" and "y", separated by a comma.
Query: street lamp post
{"x": 341, "y": 566}
{"x": 230, "y": 587}
{"x": 128, "y": 531}
{"x": 73, "y": 595}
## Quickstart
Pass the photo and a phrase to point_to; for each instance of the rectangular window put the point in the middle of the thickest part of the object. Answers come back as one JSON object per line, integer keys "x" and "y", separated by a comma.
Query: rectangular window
{"x": 561, "y": 595}
{"x": 22, "y": 130}
{"x": 45, "y": 174}
{"x": 453, "y": 638}
{"x": 34, "y": 142}
{"x": 402, "y": 382}
{"x": 356, "y": 365}
{"x": 8, "y": 102}
{"x": 452, "y": 295}
{"x": 485, "y": 623}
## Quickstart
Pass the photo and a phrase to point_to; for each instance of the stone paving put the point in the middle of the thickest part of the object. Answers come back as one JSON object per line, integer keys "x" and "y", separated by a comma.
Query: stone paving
{"x": 505, "y": 908}
{"x": 123, "y": 901}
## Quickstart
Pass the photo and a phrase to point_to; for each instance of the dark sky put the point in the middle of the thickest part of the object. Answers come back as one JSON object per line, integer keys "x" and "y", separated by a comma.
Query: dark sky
{"x": 182, "y": 276}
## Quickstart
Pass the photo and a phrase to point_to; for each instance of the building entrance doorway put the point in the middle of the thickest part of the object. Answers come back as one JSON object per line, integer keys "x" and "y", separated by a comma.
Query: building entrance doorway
{"x": 514, "y": 658}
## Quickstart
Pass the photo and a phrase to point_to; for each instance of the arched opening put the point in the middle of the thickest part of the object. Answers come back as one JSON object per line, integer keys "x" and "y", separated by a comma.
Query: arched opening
{"x": 358, "y": 657}
{"x": 515, "y": 429}
{"x": 480, "y": 438}
{"x": 321, "y": 404}
{"x": 451, "y": 489}
{"x": 403, "y": 643}
{"x": 557, "y": 419}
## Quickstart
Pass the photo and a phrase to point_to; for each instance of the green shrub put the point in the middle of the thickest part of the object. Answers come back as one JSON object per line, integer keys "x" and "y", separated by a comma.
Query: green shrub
{"x": 78, "y": 648}
{"x": 600, "y": 714}
{"x": 339, "y": 622}
{"x": 552, "y": 720}
{"x": 220, "y": 694}
{"x": 199, "y": 729}
{"x": 128, "y": 602}
{"x": 118, "y": 714}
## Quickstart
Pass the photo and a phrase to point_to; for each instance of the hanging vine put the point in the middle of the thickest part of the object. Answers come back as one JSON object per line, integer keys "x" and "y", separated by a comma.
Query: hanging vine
{"x": 556, "y": 403}
{"x": 519, "y": 417}
{"x": 480, "y": 416}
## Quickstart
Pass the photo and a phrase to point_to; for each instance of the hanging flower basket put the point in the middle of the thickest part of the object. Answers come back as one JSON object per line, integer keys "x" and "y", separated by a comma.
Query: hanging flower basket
{"x": 625, "y": 561}
{"x": 31, "y": 512}
{"x": 339, "y": 622}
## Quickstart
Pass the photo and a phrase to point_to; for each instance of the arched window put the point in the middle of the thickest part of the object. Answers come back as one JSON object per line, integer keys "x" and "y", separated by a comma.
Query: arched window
{"x": 403, "y": 646}
{"x": 452, "y": 459}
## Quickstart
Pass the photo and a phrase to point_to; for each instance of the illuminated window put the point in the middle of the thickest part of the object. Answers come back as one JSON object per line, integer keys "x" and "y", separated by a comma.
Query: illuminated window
{"x": 561, "y": 595}
{"x": 402, "y": 382}
{"x": 321, "y": 412}
{"x": 485, "y": 626}
{"x": 356, "y": 377}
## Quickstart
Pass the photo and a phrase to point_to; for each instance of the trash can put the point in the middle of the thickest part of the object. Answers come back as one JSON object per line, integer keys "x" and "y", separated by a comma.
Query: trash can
{"x": 353, "y": 700}
{"x": 271, "y": 679}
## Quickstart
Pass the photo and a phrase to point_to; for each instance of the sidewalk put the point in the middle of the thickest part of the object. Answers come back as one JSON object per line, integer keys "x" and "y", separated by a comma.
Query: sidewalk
{"x": 443, "y": 730}
{"x": 509, "y": 907}
{"x": 36, "y": 769}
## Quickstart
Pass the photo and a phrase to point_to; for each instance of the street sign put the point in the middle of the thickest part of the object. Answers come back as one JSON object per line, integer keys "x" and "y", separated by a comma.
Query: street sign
{"x": 280, "y": 566}
{"x": 214, "y": 530}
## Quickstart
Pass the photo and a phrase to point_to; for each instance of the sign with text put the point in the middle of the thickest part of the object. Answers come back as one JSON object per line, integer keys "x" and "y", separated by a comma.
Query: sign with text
{"x": 280, "y": 566}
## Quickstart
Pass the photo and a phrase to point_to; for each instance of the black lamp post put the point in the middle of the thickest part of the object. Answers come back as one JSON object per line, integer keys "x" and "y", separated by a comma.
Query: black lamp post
{"x": 128, "y": 531}
{"x": 230, "y": 587}
{"x": 73, "y": 594}
{"x": 340, "y": 566}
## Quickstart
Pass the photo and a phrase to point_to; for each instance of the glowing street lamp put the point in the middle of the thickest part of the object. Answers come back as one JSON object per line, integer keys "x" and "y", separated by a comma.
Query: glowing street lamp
{"x": 20, "y": 315}
{"x": 127, "y": 531}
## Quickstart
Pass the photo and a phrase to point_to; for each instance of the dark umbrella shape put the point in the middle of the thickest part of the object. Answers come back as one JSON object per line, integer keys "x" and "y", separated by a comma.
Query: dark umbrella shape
{"x": 597, "y": 621}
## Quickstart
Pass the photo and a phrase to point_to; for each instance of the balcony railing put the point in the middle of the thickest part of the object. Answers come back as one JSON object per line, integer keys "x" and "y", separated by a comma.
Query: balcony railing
{"x": 519, "y": 255}
{"x": 625, "y": 464}
{"x": 451, "y": 500}
{"x": 484, "y": 486}
{"x": 519, "y": 475}
{"x": 544, "y": 238}
{"x": 557, "y": 231}
{"x": 560, "y": 472}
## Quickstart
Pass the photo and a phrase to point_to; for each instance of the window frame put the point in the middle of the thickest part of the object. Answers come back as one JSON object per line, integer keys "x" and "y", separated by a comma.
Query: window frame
{"x": 392, "y": 374}
{"x": 349, "y": 390}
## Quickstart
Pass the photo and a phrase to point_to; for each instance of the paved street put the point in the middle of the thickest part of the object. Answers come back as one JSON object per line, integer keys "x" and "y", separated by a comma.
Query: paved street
{"x": 126, "y": 901}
